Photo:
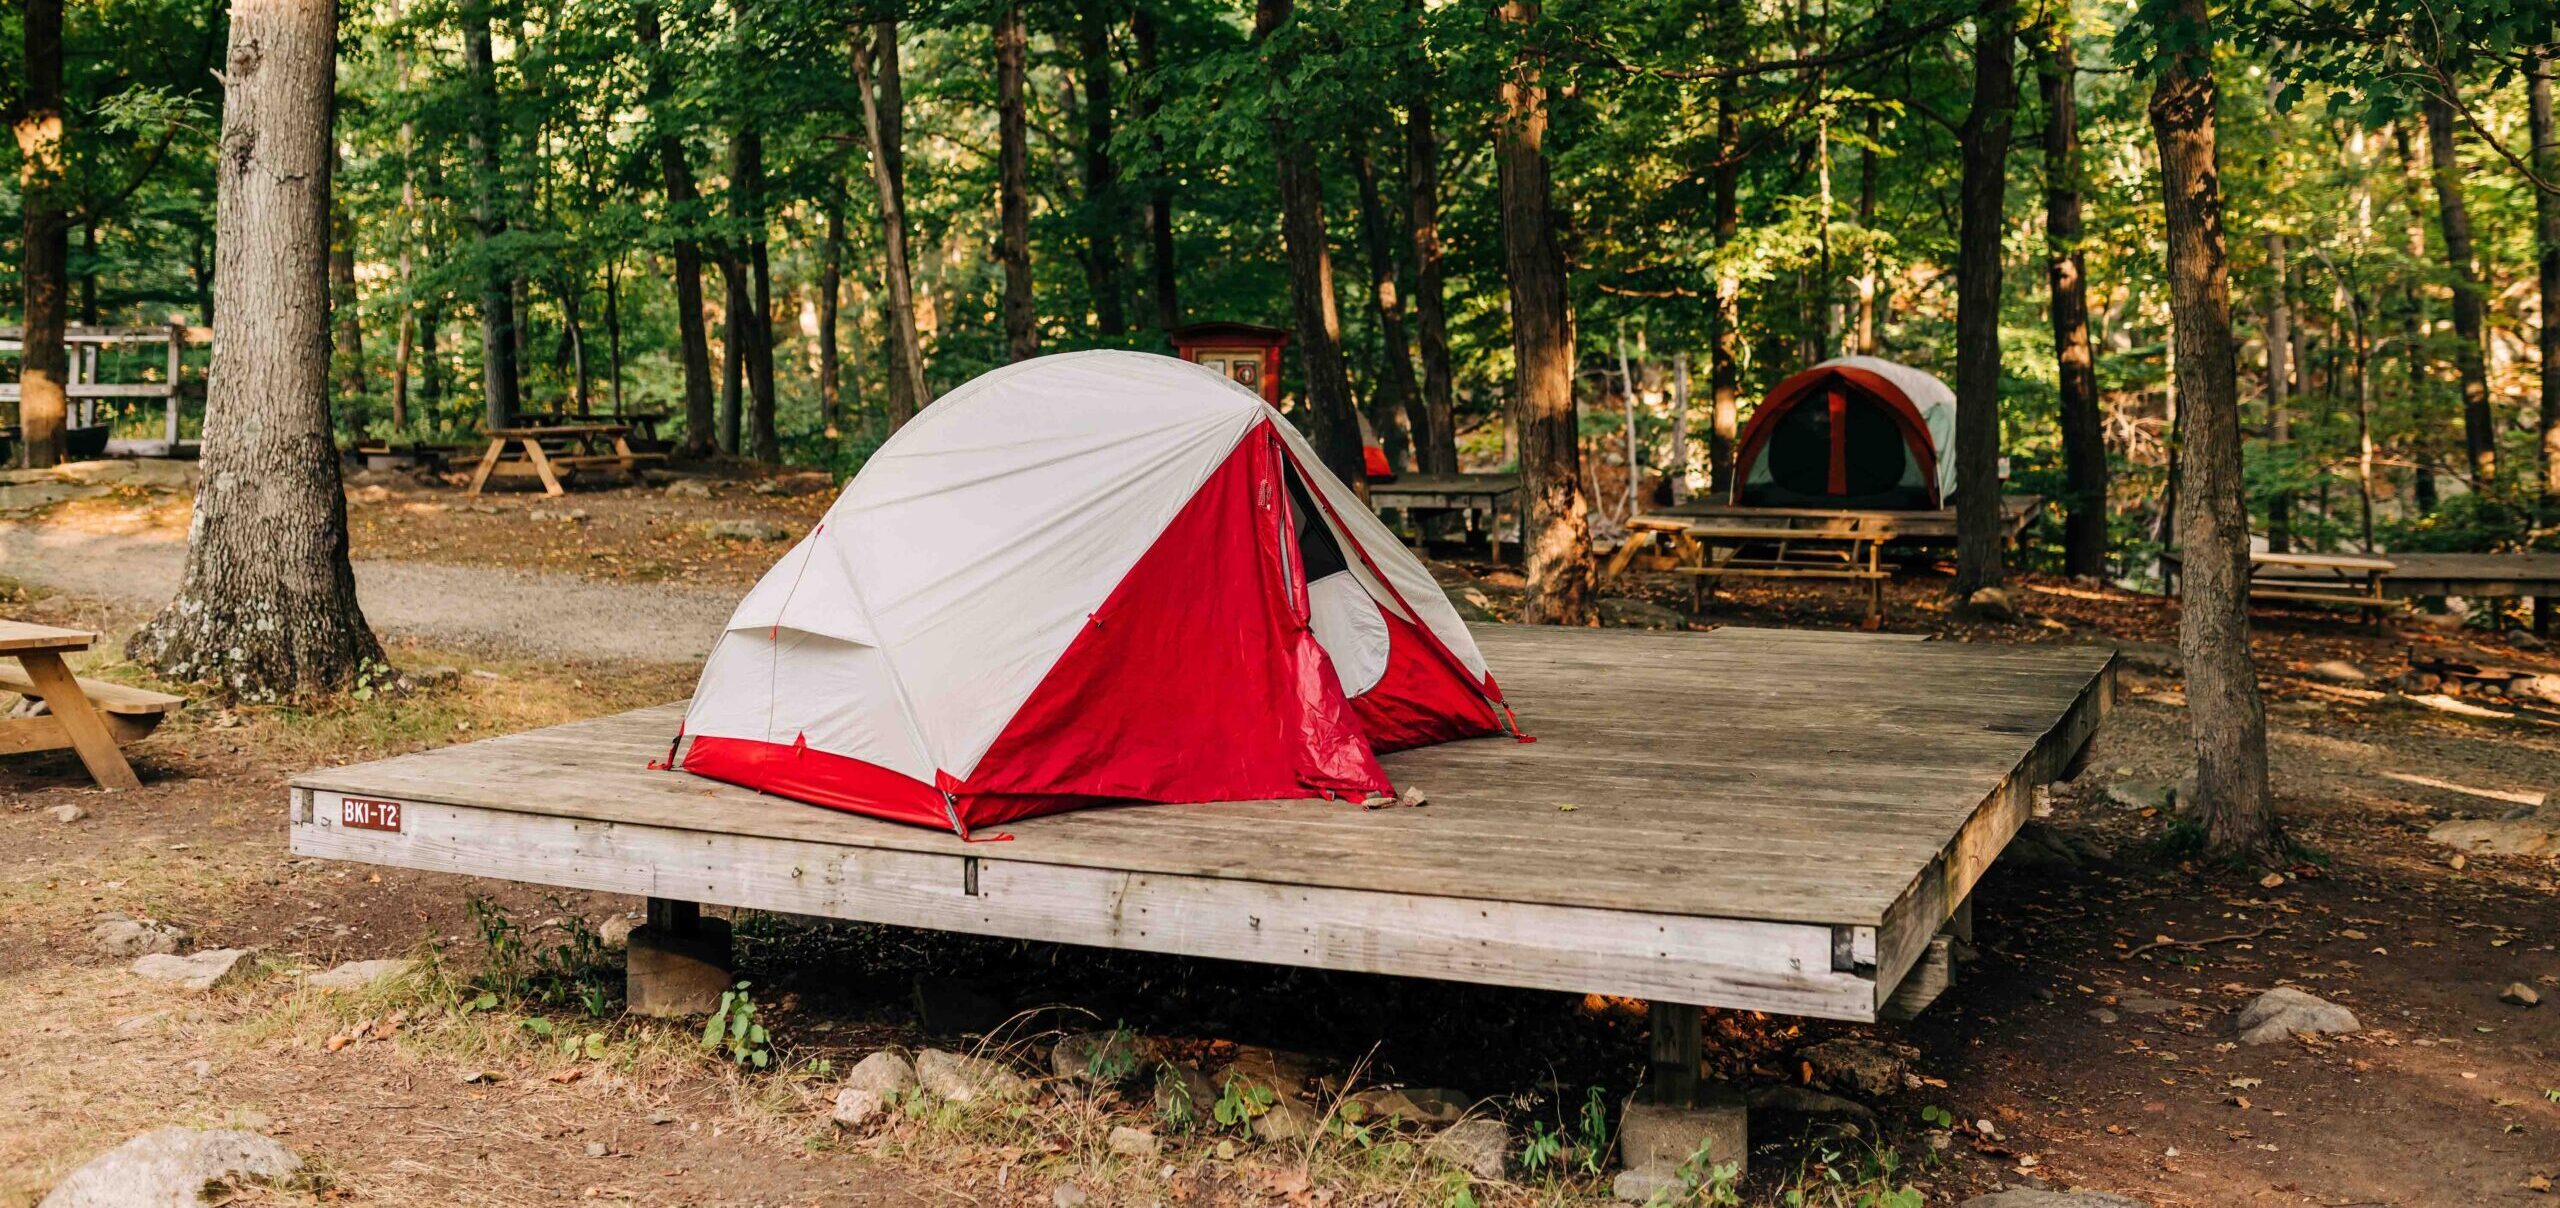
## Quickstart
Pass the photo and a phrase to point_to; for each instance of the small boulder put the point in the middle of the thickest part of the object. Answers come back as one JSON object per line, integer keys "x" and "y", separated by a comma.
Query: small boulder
{"x": 964, "y": 1079}
{"x": 803, "y": 482}
{"x": 689, "y": 488}
{"x": 2135, "y": 795}
{"x": 67, "y": 814}
{"x": 173, "y": 1168}
{"x": 199, "y": 971}
{"x": 1287, "y": 1119}
{"x": 1475, "y": 1146}
{"x": 883, "y": 1073}
{"x": 2518, "y": 994}
{"x": 1417, "y": 1105}
{"x": 1991, "y": 604}
{"x": 2280, "y": 1013}
{"x": 1806, "y": 1101}
{"x": 615, "y": 931}
{"x": 2339, "y": 671}
{"x": 1133, "y": 1142}
{"x": 358, "y": 975}
{"x": 746, "y": 530}
{"x": 1618, "y": 612}
{"x": 1099, "y": 1058}
{"x": 1473, "y": 605}
{"x": 118, "y": 936}
{"x": 1069, "y": 1195}
{"x": 2527, "y": 836}
{"x": 856, "y": 1107}
{"x": 1861, "y": 1066}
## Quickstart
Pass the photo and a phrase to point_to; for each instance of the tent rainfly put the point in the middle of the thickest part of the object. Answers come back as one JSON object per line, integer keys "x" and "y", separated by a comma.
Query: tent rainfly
{"x": 1082, "y": 579}
{"x": 1851, "y": 432}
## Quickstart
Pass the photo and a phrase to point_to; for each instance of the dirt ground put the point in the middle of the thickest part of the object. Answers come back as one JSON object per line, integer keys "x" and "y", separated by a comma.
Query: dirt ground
{"x": 2088, "y": 1044}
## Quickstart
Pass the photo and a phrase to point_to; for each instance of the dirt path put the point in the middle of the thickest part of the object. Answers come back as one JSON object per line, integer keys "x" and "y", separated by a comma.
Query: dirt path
{"x": 467, "y": 607}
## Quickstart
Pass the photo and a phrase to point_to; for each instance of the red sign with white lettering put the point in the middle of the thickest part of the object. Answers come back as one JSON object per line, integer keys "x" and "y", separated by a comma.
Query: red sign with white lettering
{"x": 361, "y": 814}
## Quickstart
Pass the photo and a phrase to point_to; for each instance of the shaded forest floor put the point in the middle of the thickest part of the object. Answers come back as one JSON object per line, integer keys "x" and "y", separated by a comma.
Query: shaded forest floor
{"x": 2062, "y": 1056}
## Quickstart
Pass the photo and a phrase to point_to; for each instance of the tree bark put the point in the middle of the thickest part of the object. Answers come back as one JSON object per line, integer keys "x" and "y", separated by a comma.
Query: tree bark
{"x": 1559, "y": 571}
{"x": 1166, "y": 288}
{"x": 1395, "y": 393}
{"x": 2279, "y": 387}
{"x": 830, "y": 298}
{"x": 266, "y": 607}
{"x": 1101, "y": 175}
{"x": 1870, "y": 276}
{"x": 736, "y": 299}
{"x": 1437, "y": 439}
{"x": 500, "y": 392}
{"x": 44, "y": 250}
{"x": 2479, "y": 427}
{"x": 404, "y": 340}
{"x": 693, "y": 338}
{"x": 875, "y": 70}
{"x": 755, "y": 323}
{"x": 1336, "y": 433}
{"x": 2224, "y": 712}
{"x": 347, "y": 345}
{"x": 2084, "y": 448}
{"x": 2546, "y": 230}
{"x": 1013, "y": 240}
{"x": 1724, "y": 313}
{"x": 1984, "y": 149}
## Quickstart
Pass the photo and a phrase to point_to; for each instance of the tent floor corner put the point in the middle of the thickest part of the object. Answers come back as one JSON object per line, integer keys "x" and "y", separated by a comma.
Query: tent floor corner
{"x": 1770, "y": 820}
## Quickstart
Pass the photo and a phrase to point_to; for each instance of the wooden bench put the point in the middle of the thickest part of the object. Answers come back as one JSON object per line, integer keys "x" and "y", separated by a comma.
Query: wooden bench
{"x": 545, "y": 450}
{"x": 2339, "y": 580}
{"x": 1706, "y": 552}
{"x": 88, "y": 716}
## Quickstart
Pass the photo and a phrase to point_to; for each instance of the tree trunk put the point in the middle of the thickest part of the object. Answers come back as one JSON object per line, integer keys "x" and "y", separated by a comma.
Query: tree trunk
{"x": 2084, "y": 447}
{"x": 1336, "y": 433}
{"x": 1395, "y": 392}
{"x": 267, "y": 604}
{"x": 347, "y": 346}
{"x": 499, "y": 390}
{"x": 1558, "y": 554}
{"x": 2279, "y": 387}
{"x": 1013, "y": 240}
{"x": 2479, "y": 427}
{"x": 875, "y": 71}
{"x": 45, "y": 248}
{"x": 2224, "y": 712}
{"x": 613, "y": 326}
{"x": 2546, "y": 229}
{"x": 1870, "y": 276}
{"x": 404, "y": 339}
{"x": 1437, "y": 439}
{"x": 1168, "y": 301}
{"x": 1984, "y": 148}
{"x": 694, "y": 340}
{"x": 1101, "y": 175}
{"x": 830, "y": 297}
{"x": 755, "y": 324}
{"x": 1724, "y": 313}
{"x": 737, "y": 298}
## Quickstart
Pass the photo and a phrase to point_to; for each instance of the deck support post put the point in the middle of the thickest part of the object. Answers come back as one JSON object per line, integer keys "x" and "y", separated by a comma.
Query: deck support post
{"x": 1672, "y": 1079}
{"x": 677, "y": 963}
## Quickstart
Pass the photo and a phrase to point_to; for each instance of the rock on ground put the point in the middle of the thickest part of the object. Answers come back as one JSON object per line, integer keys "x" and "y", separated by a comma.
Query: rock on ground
{"x": 1656, "y": 1141}
{"x": 688, "y": 488}
{"x": 883, "y": 1073}
{"x": 746, "y": 530}
{"x": 2022, "y": 1198}
{"x": 1418, "y": 1105}
{"x": 2279, "y": 1013}
{"x": 2518, "y": 994}
{"x": 1287, "y": 1120}
{"x": 964, "y": 1079}
{"x": 1133, "y": 1142}
{"x": 1860, "y": 1066}
{"x": 1475, "y": 1146}
{"x": 2042, "y": 848}
{"x": 856, "y": 1107}
{"x": 1099, "y": 1058}
{"x": 2528, "y": 836}
{"x": 2134, "y": 795}
{"x": 2339, "y": 671}
{"x": 1992, "y": 604}
{"x": 67, "y": 814}
{"x": 1806, "y": 1101}
{"x": 1069, "y": 1195}
{"x": 120, "y": 936}
{"x": 1472, "y": 605}
{"x": 199, "y": 971}
{"x": 1183, "y": 1095}
{"x": 615, "y": 931}
{"x": 357, "y": 975}
{"x": 171, "y": 1168}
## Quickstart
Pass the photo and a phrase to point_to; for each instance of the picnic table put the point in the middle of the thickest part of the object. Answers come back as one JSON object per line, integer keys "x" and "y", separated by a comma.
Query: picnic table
{"x": 91, "y": 717}
{"x": 545, "y": 450}
{"x": 1706, "y": 551}
{"x": 1423, "y": 496}
{"x": 2347, "y": 580}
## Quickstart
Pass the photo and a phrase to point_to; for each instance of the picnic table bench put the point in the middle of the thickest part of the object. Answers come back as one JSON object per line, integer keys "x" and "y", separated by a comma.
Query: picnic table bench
{"x": 2346, "y": 580}
{"x": 1850, "y": 548}
{"x": 90, "y": 717}
{"x": 1424, "y": 497}
{"x": 545, "y": 450}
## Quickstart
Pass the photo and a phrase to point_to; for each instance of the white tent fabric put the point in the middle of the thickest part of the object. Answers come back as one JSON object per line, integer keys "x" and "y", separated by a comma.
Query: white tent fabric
{"x": 1931, "y": 398}
{"x": 910, "y": 626}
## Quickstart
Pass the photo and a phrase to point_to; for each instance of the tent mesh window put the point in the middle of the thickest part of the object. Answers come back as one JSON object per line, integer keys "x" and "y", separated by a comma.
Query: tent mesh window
{"x": 1836, "y": 448}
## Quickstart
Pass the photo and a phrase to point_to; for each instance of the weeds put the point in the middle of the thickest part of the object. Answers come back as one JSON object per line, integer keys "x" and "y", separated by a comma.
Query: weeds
{"x": 733, "y": 1031}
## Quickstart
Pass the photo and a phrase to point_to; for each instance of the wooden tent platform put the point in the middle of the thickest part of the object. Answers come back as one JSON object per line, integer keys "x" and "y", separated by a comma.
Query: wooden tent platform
{"x": 1763, "y": 819}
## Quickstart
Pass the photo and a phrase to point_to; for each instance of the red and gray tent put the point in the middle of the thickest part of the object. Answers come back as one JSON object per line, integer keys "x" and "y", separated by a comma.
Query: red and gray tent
{"x": 1851, "y": 432}
{"x": 1082, "y": 579}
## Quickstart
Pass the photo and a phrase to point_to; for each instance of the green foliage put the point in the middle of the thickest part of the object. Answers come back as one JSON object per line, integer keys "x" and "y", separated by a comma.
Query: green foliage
{"x": 732, "y": 1030}
{"x": 576, "y": 972}
{"x": 1240, "y": 1102}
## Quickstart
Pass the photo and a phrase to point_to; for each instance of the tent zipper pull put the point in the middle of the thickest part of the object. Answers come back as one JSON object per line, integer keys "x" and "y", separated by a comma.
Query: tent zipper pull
{"x": 669, "y": 763}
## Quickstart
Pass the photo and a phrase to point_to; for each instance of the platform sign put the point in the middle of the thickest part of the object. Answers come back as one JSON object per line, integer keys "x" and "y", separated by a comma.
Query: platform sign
{"x": 360, "y": 814}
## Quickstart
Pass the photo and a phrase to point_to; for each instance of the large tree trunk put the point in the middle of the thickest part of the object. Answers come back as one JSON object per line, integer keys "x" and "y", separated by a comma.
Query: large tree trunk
{"x": 2479, "y": 427}
{"x": 1336, "y": 427}
{"x": 267, "y": 604}
{"x": 1724, "y": 312}
{"x": 1395, "y": 392}
{"x": 1101, "y": 175}
{"x": 1013, "y": 157}
{"x": 2224, "y": 712}
{"x": 1985, "y": 153}
{"x": 2546, "y": 229}
{"x": 693, "y": 339}
{"x": 1437, "y": 440}
{"x": 45, "y": 249}
{"x": 830, "y": 299}
{"x": 1166, "y": 287}
{"x": 2084, "y": 447}
{"x": 499, "y": 389}
{"x": 1559, "y": 570}
{"x": 875, "y": 72}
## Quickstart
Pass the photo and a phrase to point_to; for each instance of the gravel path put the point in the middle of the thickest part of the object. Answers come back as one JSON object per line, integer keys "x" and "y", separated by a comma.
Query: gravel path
{"x": 467, "y": 607}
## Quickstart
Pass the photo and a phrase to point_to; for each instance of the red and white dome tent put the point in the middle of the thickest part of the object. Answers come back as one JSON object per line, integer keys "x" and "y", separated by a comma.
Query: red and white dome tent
{"x": 1851, "y": 432}
{"x": 1082, "y": 579}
